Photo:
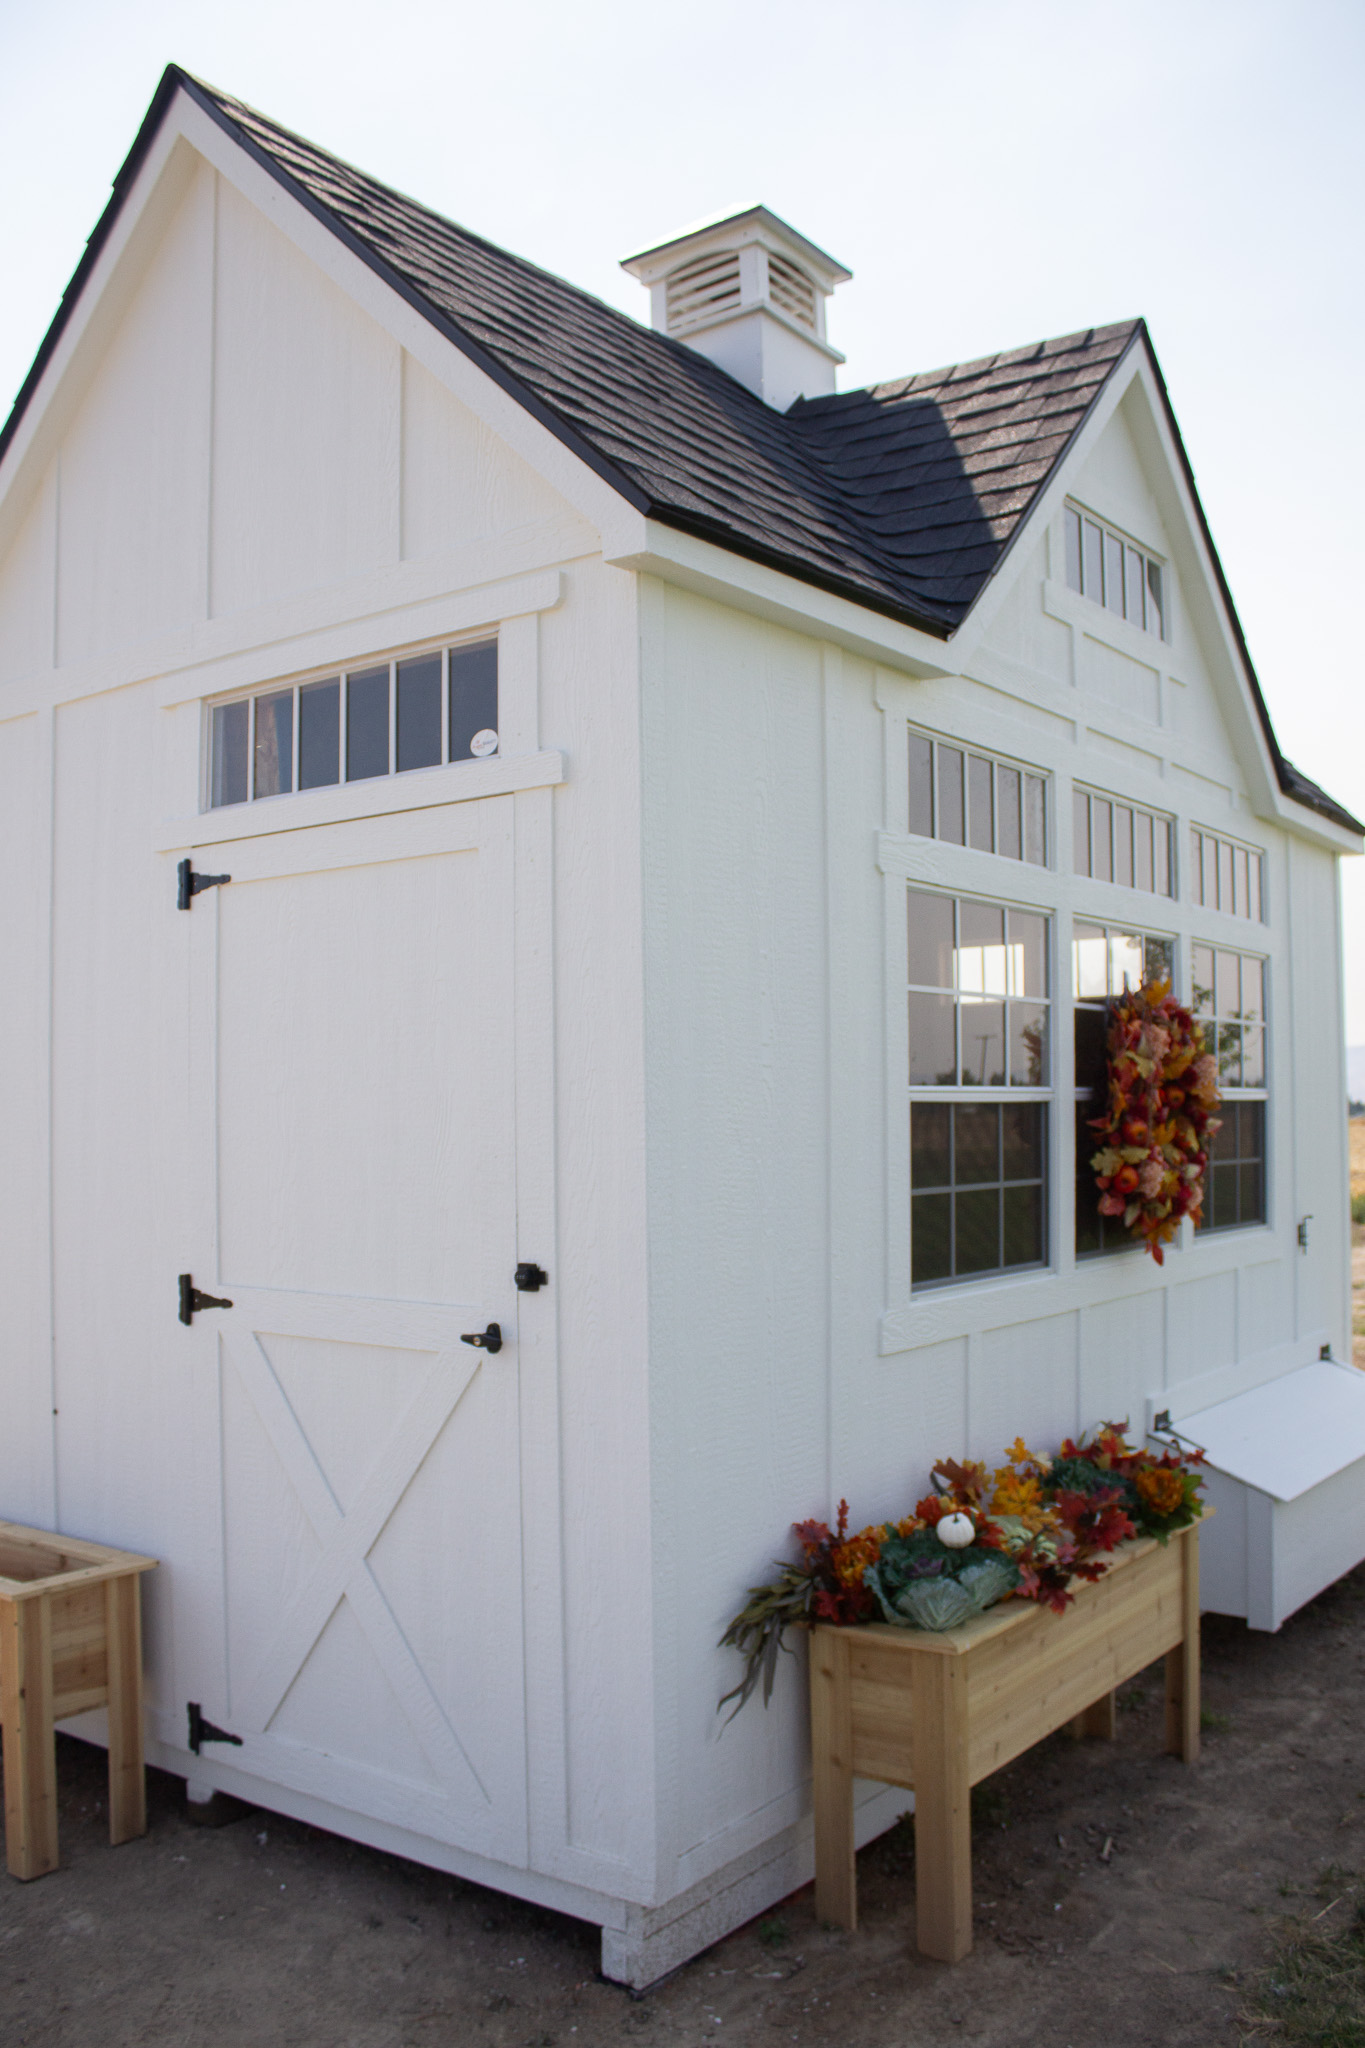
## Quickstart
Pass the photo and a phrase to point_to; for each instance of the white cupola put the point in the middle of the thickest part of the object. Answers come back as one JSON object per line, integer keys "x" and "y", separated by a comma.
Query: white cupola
{"x": 749, "y": 292}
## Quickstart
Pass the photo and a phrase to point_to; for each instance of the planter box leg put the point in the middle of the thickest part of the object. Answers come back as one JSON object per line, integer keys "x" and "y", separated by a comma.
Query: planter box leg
{"x": 943, "y": 1812}
{"x": 30, "y": 1752}
{"x": 836, "y": 1869}
{"x": 1098, "y": 1723}
{"x": 1182, "y": 1663}
{"x": 127, "y": 1778}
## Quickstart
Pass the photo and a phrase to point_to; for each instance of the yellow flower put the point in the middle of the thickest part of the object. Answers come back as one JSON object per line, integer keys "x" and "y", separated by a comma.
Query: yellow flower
{"x": 1161, "y": 1490}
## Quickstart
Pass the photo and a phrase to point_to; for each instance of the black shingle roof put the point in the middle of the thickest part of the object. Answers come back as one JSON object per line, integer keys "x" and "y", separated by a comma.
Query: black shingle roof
{"x": 903, "y": 497}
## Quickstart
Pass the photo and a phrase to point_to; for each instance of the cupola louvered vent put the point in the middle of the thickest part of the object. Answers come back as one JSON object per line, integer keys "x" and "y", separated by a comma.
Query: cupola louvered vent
{"x": 703, "y": 289}
{"x": 791, "y": 291}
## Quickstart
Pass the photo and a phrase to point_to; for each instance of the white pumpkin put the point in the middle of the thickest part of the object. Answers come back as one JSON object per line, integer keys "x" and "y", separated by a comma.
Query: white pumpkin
{"x": 956, "y": 1531}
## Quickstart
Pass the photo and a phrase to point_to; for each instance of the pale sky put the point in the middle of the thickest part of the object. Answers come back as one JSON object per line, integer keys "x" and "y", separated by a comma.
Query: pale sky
{"x": 991, "y": 171}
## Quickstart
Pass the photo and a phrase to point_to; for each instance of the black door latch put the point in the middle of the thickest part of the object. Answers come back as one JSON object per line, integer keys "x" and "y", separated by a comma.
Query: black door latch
{"x": 485, "y": 1340}
{"x": 192, "y": 1299}
{"x": 202, "y": 1731}
{"x": 190, "y": 884}
{"x": 530, "y": 1279}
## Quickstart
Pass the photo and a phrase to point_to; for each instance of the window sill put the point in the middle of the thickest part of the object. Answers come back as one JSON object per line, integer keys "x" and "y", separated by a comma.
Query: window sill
{"x": 966, "y": 1309}
{"x": 418, "y": 789}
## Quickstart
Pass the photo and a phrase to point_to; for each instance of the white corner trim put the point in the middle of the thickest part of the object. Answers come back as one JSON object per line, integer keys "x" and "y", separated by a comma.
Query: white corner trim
{"x": 419, "y": 789}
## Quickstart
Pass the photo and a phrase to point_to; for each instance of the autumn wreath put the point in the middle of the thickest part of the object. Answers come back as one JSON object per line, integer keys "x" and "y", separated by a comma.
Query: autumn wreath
{"x": 1158, "y": 1121}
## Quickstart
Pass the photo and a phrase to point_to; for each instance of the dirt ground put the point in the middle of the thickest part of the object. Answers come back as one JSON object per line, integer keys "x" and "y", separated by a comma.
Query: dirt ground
{"x": 1122, "y": 1901}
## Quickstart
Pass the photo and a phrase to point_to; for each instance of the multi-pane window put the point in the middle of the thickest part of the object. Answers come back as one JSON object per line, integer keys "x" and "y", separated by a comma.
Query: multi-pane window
{"x": 974, "y": 799}
{"x": 1229, "y": 1000}
{"x": 415, "y": 712}
{"x": 979, "y": 1026}
{"x": 1105, "y": 960}
{"x": 1107, "y": 567}
{"x": 1225, "y": 876}
{"x": 1118, "y": 842}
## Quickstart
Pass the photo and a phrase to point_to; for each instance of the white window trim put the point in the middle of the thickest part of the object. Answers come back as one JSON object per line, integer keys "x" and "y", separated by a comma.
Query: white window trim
{"x": 962, "y": 1310}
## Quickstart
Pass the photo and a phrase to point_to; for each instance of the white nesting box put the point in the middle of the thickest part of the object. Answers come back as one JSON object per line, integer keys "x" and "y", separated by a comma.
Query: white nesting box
{"x": 606, "y": 789}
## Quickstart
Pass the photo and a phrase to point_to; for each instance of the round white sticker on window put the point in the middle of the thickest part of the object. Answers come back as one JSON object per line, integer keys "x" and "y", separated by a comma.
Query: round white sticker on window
{"x": 485, "y": 742}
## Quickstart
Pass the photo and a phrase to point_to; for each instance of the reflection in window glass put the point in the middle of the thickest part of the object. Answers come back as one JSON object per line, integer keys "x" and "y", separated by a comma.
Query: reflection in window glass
{"x": 976, "y": 800}
{"x": 1225, "y": 876}
{"x": 1101, "y": 565}
{"x": 274, "y": 748}
{"x": 978, "y": 1024}
{"x": 1113, "y": 842}
{"x": 979, "y": 1018}
{"x": 228, "y": 784}
{"x": 1234, "y": 1191}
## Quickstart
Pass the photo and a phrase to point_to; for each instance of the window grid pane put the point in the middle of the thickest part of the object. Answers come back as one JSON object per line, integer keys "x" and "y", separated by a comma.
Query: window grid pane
{"x": 1120, "y": 842}
{"x": 979, "y": 1014}
{"x": 1106, "y": 567}
{"x": 978, "y": 1189}
{"x": 977, "y": 800}
{"x": 1226, "y": 876}
{"x": 396, "y": 715}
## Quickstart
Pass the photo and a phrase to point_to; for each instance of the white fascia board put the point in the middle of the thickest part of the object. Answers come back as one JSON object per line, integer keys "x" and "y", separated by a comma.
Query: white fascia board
{"x": 187, "y": 132}
{"x": 713, "y": 571}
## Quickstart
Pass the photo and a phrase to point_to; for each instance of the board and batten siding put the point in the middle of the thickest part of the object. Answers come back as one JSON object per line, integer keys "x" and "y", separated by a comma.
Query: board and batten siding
{"x": 790, "y": 1367}
{"x": 253, "y": 481}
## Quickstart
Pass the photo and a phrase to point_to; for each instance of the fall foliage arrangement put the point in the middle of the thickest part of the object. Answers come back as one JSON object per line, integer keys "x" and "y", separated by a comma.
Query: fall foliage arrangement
{"x": 1158, "y": 1121}
{"x": 1026, "y": 1530}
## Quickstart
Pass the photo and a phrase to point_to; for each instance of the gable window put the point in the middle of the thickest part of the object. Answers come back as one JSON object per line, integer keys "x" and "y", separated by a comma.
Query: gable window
{"x": 1225, "y": 876}
{"x": 1117, "y": 842}
{"x": 1229, "y": 999}
{"x": 1106, "y": 566}
{"x": 979, "y": 1017}
{"x": 415, "y": 712}
{"x": 1105, "y": 960}
{"x": 973, "y": 799}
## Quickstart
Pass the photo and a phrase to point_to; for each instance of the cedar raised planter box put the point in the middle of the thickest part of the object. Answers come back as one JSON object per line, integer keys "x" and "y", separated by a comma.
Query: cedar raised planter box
{"x": 938, "y": 1712}
{"x": 70, "y": 1640}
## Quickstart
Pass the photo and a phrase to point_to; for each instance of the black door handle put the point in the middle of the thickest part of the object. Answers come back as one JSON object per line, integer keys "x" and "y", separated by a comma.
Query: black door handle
{"x": 485, "y": 1340}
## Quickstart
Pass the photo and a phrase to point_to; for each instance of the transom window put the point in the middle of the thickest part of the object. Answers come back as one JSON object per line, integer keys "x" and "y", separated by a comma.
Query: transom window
{"x": 1105, "y": 960}
{"x": 384, "y": 719}
{"x": 1117, "y": 842}
{"x": 974, "y": 799}
{"x": 1229, "y": 998}
{"x": 1106, "y": 566}
{"x": 979, "y": 1026}
{"x": 1225, "y": 876}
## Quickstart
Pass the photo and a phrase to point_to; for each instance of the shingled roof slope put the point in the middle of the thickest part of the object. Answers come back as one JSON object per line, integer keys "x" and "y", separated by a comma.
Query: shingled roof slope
{"x": 903, "y": 497}
{"x": 903, "y": 500}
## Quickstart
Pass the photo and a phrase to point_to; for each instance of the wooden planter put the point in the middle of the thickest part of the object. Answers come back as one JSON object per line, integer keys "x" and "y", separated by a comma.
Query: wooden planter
{"x": 937, "y": 1713}
{"x": 70, "y": 1639}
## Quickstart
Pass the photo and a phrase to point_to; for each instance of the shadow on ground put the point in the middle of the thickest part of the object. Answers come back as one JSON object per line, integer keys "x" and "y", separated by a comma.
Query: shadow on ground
{"x": 1121, "y": 1900}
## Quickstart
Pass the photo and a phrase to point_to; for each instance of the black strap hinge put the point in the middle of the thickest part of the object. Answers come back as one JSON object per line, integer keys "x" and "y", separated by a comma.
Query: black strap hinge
{"x": 192, "y": 1299}
{"x": 202, "y": 1731}
{"x": 191, "y": 885}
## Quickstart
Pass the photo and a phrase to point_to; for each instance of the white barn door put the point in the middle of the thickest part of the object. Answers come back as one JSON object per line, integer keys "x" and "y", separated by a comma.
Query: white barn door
{"x": 354, "y": 1612}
